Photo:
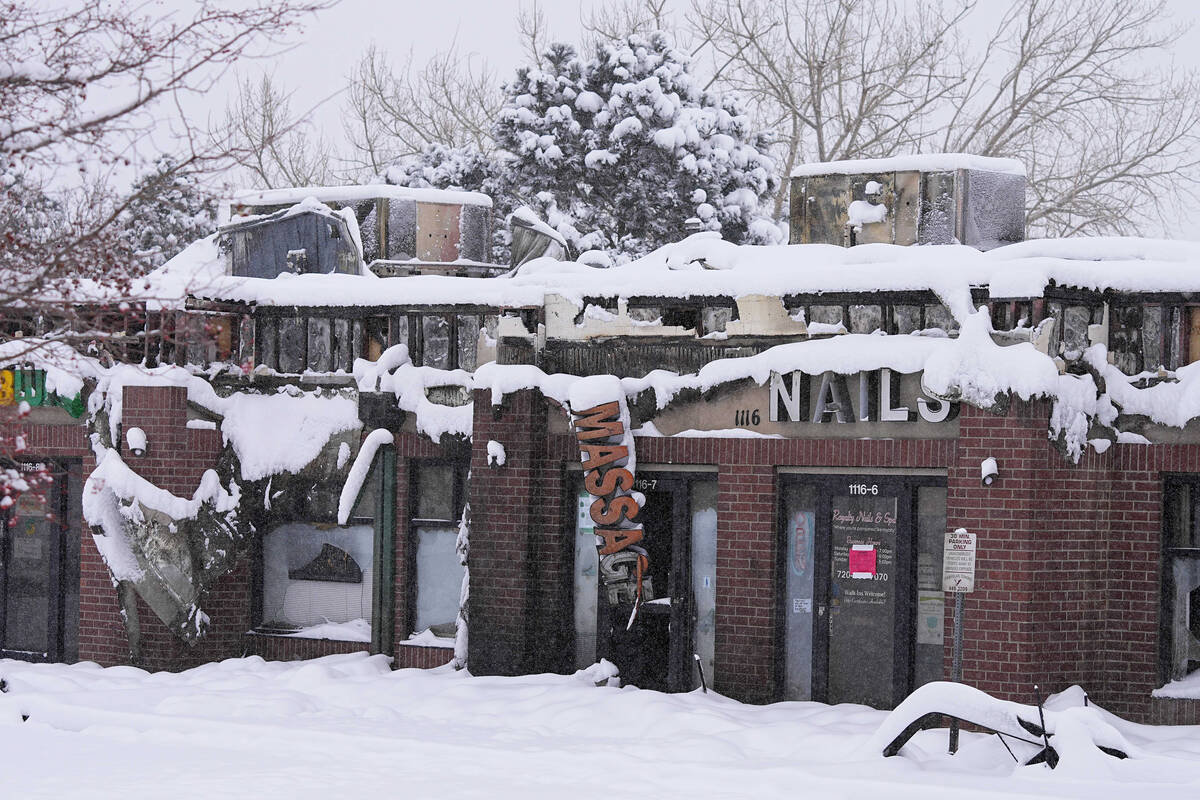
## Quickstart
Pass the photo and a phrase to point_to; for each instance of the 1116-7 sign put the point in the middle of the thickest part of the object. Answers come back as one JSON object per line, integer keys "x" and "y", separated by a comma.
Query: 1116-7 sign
{"x": 958, "y": 562}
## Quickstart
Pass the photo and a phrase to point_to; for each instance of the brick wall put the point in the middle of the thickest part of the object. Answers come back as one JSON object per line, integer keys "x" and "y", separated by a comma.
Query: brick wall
{"x": 411, "y": 656}
{"x": 1068, "y": 569}
{"x": 1132, "y": 578}
{"x": 521, "y": 535}
{"x": 293, "y": 648}
{"x": 1069, "y": 563}
{"x": 503, "y": 521}
{"x": 1009, "y": 523}
{"x": 176, "y": 458}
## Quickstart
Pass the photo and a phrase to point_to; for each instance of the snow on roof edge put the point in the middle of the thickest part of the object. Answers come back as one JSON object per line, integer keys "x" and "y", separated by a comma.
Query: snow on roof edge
{"x": 918, "y": 162}
{"x": 295, "y": 194}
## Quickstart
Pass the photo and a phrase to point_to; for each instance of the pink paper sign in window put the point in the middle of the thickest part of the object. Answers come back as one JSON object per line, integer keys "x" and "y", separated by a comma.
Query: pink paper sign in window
{"x": 862, "y": 561}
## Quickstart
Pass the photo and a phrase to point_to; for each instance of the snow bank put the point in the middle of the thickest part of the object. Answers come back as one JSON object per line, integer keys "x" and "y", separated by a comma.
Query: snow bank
{"x": 1075, "y": 733}
{"x": 356, "y": 630}
{"x": 350, "y": 725}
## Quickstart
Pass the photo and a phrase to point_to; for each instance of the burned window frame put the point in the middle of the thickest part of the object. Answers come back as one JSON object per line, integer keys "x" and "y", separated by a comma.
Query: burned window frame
{"x": 1171, "y": 338}
{"x": 703, "y": 315}
{"x": 887, "y": 303}
{"x": 360, "y": 332}
{"x": 459, "y": 471}
{"x": 1177, "y": 488}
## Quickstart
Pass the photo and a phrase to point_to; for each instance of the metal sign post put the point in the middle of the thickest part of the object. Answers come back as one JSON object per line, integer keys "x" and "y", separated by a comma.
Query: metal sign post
{"x": 958, "y": 576}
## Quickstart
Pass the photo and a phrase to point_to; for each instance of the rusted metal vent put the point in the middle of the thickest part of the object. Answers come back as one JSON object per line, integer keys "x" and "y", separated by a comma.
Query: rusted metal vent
{"x": 945, "y": 198}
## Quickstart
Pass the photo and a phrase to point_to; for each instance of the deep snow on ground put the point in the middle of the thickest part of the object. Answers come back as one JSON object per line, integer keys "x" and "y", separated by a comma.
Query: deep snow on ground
{"x": 348, "y": 726}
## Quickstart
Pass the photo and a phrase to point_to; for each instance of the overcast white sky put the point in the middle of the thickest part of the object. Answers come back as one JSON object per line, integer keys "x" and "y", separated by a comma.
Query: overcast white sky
{"x": 332, "y": 43}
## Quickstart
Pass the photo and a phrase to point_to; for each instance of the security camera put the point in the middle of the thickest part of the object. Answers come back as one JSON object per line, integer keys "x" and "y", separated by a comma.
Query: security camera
{"x": 988, "y": 471}
{"x": 136, "y": 439}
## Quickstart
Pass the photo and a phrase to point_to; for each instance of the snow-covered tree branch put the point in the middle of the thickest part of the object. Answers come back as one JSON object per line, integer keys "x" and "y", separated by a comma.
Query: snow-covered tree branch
{"x": 81, "y": 93}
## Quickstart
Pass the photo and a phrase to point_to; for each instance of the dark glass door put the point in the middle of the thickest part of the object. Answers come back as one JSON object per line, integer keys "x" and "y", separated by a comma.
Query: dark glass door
{"x": 863, "y": 527}
{"x": 32, "y": 549}
{"x": 655, "y": 664}
{"x": 676, "y": 624}
{"x": 850, "y": 587}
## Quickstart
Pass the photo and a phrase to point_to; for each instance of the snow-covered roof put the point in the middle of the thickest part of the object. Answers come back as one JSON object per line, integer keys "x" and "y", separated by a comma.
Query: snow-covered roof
{"x": 704, "y": 265}
{"x": 351, "y": 194}
{"x": 923, "y": 162}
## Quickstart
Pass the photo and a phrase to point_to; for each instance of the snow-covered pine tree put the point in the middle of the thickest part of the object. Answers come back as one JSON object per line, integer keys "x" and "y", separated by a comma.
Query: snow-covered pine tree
{"x": 656, "y": 150}
{"x": 616, "y": 152}
{"x": 168, "y": 211}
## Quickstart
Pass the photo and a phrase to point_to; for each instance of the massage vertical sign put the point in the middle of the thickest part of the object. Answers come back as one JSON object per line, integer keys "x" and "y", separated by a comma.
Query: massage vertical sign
{"x": 601, "y": 418}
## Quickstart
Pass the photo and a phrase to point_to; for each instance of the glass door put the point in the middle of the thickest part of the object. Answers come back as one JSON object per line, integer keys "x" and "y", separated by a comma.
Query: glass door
{"x": 31, "y": 568}
{"x": 863, "y": 583}
{"x": 850, "y": 587}
{"x": 678, "y": 619}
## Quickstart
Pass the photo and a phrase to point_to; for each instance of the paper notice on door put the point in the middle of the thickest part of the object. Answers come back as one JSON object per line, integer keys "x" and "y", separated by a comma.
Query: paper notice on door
{"x": 862, "y": 561}
{"x": 27, "y": 549}
{"x": 931, "y": 610}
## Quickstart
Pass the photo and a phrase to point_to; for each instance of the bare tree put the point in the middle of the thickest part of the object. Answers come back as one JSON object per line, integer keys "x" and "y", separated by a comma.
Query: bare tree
{"x": 617, "y": 21}
{"x": 81, "y": 90}
{"x": 277, "y": 147}
{"x": 832, "y": 79}
{"x": 1065, "y": 86}
{"x": 534, "y": 31}
{"x": 451, "y": 100}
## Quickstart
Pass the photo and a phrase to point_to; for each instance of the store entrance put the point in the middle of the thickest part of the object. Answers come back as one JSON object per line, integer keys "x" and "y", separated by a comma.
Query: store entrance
{"x": 644, "y": 651}
{"x": 33, "y": 564}
{"x": 676, "y": 623}
{"x": 862, "y": 587}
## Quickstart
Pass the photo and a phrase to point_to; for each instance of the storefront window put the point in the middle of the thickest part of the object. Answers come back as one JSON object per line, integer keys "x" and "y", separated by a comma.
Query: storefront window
{"x": 586, "y": 583}
{"x": 930, "y": 600}
{"x": 315, "y": 574}
{"x": 704, "y": 574}
{"x": 799, "y": 510}
{"x": 1181, "y": 579}
{"x": 436, "y": 569}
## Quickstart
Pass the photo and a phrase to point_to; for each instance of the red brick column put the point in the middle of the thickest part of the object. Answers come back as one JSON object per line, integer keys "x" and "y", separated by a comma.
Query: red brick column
{"x": 1009, "y": 522}
{"x": 746, "y": 586}
{"x": 503, "y": 523}
{"x": 1132, "y": 581}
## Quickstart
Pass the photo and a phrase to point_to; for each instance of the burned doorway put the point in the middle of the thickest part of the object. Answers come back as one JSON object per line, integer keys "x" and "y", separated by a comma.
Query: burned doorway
{"x": 860, "y": 586}
{"x": 676, "y": 625}
{"x": 39, "y": 567}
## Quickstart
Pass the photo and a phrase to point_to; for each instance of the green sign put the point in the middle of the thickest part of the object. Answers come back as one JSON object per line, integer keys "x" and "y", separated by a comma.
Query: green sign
{"x": 21, "y": 385}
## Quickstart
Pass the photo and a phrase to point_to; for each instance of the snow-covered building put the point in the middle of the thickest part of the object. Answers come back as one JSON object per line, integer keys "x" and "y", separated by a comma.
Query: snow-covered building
{"x": 760, "y": 449}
